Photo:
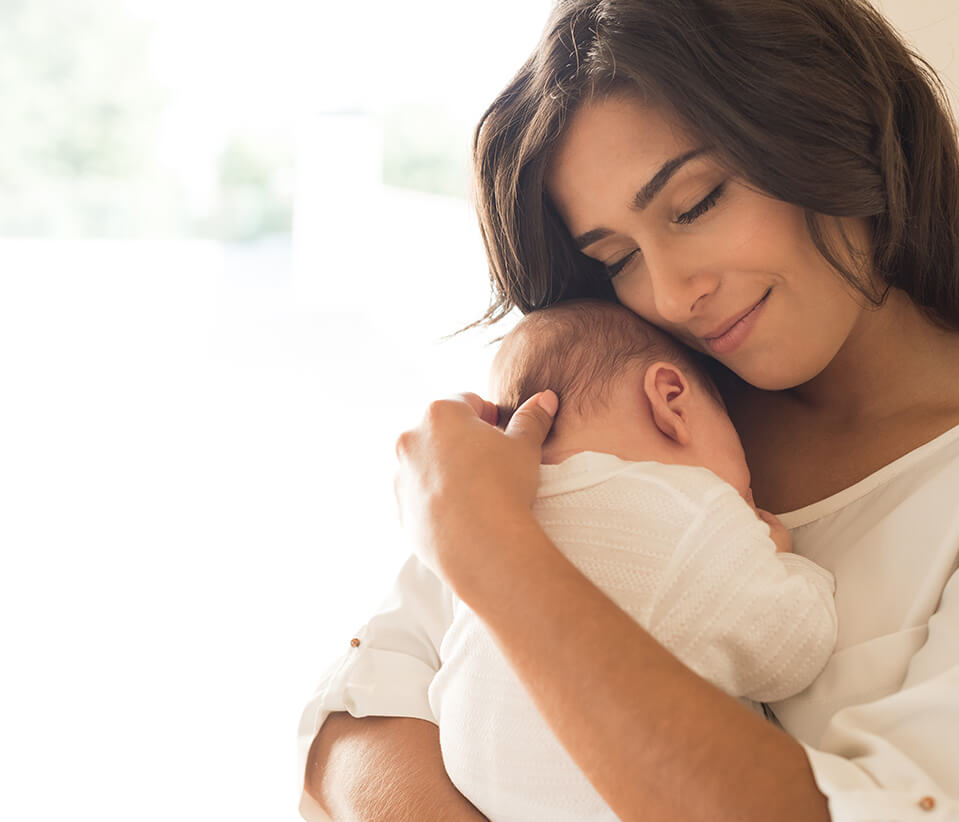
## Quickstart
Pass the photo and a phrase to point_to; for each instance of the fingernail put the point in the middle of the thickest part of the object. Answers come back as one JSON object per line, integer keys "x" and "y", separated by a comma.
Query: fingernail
{"x": 549, "y": 402}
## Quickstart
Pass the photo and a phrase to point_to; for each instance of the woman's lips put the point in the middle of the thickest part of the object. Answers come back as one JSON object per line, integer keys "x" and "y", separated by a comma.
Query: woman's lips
{"x": 730, "y": 339}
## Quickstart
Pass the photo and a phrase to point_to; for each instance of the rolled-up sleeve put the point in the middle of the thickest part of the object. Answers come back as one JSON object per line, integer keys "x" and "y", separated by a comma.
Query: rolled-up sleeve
{"x": 897, "y": 758}
{"x": 390, "y": 661}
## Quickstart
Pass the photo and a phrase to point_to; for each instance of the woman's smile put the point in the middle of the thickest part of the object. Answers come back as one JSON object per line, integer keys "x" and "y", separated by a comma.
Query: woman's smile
{"x": 732, "y": 333}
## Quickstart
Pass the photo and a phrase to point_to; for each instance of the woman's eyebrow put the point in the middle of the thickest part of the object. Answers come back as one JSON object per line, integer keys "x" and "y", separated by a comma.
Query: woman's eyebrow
{"x": 645, "y": 195}
{"x": 590, "y": 237}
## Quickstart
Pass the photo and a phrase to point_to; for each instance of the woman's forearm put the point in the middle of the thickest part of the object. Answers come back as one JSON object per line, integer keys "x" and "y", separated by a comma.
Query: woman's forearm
{"x": 657, "y": 741}
{"x": 382, "y": 768}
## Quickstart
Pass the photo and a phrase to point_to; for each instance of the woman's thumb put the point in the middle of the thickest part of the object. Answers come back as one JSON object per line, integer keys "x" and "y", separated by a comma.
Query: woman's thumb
{"x": 534, "y": 418}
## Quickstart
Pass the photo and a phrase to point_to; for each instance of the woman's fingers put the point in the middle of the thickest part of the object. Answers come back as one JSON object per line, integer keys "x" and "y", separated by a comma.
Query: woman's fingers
{"x": 440, "y": 412}
{"x": 485, "y": 410}
{"x": 455, "y": 468}
{"x": 534, "y": 418}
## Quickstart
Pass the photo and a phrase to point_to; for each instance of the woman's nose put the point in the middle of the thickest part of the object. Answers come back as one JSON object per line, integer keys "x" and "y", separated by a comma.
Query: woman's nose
{"x": 680, "y": 286}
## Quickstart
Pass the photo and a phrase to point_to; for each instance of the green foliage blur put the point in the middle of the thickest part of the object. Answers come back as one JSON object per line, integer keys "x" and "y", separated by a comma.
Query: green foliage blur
{"x": 426, "y": 150}
{"x": 254, "y": 192}
{"x": 78, "y": 113}
{"x": 81, "y": 125}
{"x": 80, "y": 121}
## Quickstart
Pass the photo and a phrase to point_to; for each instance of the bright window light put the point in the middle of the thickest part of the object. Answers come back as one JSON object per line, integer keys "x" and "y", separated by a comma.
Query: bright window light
{"x": 232, "y": 237}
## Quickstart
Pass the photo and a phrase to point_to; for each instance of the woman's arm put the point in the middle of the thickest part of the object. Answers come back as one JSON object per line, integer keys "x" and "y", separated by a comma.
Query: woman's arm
{"x": 657, "y": 741}
{"x": 387, "y": 762}
{"x": 382, "y": 768}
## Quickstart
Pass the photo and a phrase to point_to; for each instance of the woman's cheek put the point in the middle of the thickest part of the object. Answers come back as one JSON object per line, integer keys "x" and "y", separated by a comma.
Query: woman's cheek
{"x": 639, "y": 301}
{"x": 635, "y": 294}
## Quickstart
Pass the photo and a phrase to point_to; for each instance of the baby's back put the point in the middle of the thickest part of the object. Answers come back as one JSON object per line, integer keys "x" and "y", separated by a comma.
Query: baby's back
{"x": 497, "y": 749}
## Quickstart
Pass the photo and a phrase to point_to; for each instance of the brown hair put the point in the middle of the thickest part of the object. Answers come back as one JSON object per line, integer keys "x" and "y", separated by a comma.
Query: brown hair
{"x": 815, "y": 102}
{"x": 578, "y": 348}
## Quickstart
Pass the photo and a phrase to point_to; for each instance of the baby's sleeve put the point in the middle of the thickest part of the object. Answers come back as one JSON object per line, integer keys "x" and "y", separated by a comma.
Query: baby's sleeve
{"x": 757, "y": 623}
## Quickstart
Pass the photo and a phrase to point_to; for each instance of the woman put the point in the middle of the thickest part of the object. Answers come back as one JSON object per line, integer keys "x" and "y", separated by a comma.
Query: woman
{"x": 777, "y": 184}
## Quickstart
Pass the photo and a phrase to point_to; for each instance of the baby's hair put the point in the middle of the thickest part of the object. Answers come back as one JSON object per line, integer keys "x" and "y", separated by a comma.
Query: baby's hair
{"x": 578, "y": 348}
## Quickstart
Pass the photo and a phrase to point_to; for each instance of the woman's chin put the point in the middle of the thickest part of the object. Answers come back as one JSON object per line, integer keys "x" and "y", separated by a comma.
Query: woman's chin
{"x": 770, "y": 378}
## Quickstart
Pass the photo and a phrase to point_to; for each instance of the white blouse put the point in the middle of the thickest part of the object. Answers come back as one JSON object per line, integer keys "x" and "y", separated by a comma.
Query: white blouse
{"x": 880, "y": 724}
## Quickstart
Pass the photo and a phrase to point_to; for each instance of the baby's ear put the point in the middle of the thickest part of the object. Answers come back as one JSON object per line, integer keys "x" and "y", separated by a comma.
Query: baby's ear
{"x": 667, "y": 391}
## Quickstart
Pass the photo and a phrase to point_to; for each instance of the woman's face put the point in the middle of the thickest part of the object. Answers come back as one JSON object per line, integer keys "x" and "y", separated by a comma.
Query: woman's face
{"x": 728, "y": 270}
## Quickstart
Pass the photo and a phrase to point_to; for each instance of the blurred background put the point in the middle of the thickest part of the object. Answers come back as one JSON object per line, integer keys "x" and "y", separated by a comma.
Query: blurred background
{"x": 233, "y": 237}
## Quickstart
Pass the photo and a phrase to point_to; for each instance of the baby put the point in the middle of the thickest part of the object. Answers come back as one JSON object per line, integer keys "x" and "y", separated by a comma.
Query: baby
{"x": 645, "y": 488}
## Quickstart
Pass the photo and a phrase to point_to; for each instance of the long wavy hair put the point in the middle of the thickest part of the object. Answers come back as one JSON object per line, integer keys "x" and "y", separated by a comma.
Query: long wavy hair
{"x": 818, "y": 103}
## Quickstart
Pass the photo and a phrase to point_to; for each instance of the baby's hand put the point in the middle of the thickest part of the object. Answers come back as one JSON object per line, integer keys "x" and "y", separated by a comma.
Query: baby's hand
{"x": 780, "y": 536}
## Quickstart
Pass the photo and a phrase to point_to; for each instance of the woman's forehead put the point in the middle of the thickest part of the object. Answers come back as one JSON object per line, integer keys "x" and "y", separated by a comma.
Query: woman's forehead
{"x": 611, "y": 140}
{"x": 625, "y": 124}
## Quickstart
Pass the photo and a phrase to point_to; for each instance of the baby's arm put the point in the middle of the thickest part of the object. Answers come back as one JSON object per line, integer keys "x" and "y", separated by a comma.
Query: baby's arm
{"x": 777, "y": 531}
{"x": 740, "y": 609}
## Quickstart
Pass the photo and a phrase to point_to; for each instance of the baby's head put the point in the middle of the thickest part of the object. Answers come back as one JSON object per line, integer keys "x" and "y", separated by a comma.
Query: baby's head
{"x": 624, "y": 387}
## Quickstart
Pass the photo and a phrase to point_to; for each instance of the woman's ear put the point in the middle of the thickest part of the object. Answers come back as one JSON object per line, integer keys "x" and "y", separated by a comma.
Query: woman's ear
{"x": 668, "y": 393}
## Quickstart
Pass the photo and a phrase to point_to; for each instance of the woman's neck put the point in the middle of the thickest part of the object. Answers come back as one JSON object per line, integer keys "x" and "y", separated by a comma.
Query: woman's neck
{"x": 891, "y": 389}
{"x": 895, "y": 359}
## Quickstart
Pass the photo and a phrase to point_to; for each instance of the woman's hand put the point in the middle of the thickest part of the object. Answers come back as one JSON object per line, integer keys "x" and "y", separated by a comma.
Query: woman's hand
{"x": 461, "y": 480}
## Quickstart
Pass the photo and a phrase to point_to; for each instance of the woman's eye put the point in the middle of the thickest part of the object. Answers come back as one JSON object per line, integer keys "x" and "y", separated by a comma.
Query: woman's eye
{"x": 615, "y": 268}
{"x": 702, "y": 206}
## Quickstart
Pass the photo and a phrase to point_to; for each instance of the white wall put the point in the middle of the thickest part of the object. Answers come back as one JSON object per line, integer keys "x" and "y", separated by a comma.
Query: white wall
{"x": 932, "y": 28}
